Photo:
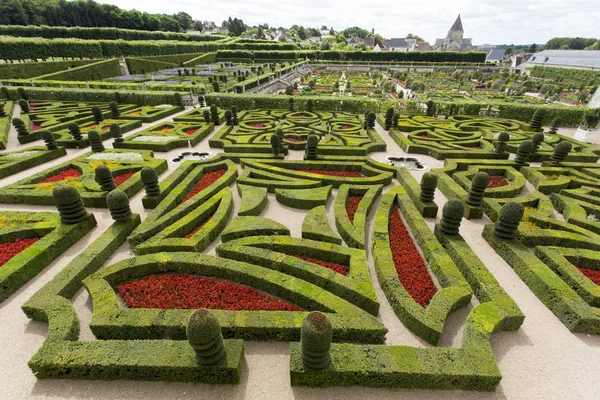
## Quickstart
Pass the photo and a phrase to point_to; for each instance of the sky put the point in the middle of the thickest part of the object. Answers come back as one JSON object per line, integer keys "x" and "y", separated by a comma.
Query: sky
{"x": 485, "y": 21}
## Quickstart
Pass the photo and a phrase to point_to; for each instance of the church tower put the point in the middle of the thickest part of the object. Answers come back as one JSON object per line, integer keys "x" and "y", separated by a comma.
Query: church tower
{"x": 454, "y": 39}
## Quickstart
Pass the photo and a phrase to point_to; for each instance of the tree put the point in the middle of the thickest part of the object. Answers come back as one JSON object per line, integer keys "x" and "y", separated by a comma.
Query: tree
{"x": 355, "y": 31}
{"x": 378, "y": 39}
{"x": 332, "y": 32}
{"x": 198, "y": 26}
{"x": 325, "y": 45}
{"x": 185, "y": 20}
{"x": 411, "y": 36}
{"x": 509, "y": 51}
{"x": 532, "y": 48}
{"x": 235, "y": 26}
{"x": 324, "y": 27}
{"x": 301, "y": 33}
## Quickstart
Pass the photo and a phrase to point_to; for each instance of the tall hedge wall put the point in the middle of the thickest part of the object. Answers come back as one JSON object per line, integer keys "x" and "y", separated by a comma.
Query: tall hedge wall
{"x": 106, "y": 69}
{"x": 579, "y": 75}
{"x": 36, "y": 48}
{"x": 137, "y": 65}
{"x": 61, "y": 32}
{"x": 32, "y": 69}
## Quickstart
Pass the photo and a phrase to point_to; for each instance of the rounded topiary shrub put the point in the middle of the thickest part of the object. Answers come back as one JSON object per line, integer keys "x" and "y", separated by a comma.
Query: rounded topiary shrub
{"x": 115, "y": 132}
{"x": 104, "y": 178}
{"x": 523, "y": 152}
{"x": 97, "y": 114}
{"x": 509, "y": 218}
{"x": 20, "y": 127}
{"x": 150, "y": 179}
{"x": 554, "y": 125}
{"x": 561, "y": 151}
{"x": 291, "y": 104}
{"x": 214, "y": 114}
{"x": 69, "y": 204}
{"x": 114, "y": 110}
{"x": 315, "y": 341}
{"x": 203, "y": 332}
{"x": 24, "y": 104}
{"x": 537, "y": 140}
{"x": 452, "y": 215}
{"x": 500, "y": 145}
{"x": 48, "y": 138}
{"x": 477, "y": 190}
{"x": 228, "y": 118}
{"x": 275, "y": 144}
{"x": 234, "y": 115}
{"x": 206, "y": 116}
{"x": 428, "y": 185}
{"x": 75, "y": 131}
{"x": 95, "y": 141}
{"x": 118, "y": 204}
{"x": 177, "y": 100}
{"x": 537, "y": 119}
{"x": 312, "y": 144}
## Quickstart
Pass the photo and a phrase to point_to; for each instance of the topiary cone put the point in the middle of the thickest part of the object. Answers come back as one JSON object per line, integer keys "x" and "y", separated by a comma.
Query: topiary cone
{"x": 228, "y": 118}
{"x": 537, "y": 119}
{"x": 509, "y": 218}
{"x": 95, "y": 142}
{"x": 118, "y": 204}
{"x": 561, "y": 151}
{"x": 275, "y": 144}
{"x": 523, "y": 152}
{"x": 312, "y": 144}
{"x": 214, "y": 115}
{"x": 206, "y": 116}
{"x": 503, "y": 139}
{"x": 24, "y": 104}
{"x": 371, "y": 120}
{"x": 115, "y": 132}
{"x": 20, "y": 127}
{"x": 104, "y": 178}
{"x": 234, "y": 116}
{"x": 75, "y": 131}
{"x": 395, "y": 119}
{"x": 428, "y": 185}
{"x": 315, "y": 341}
{"x": 537, "y": 140}
{"x": 150, "y": 179}
{"x": 97, "y": 114}
{"x": 49, "y": 140}
{"x": 452, "y": 215}
{"x": 477, "y": 190}
{"x": 291, "y": 104}
{"x": 69, "y": 204}
{"x": 388, "y": 118}
{"x": 203, "y": 332}
{"x": 114, "y": 110}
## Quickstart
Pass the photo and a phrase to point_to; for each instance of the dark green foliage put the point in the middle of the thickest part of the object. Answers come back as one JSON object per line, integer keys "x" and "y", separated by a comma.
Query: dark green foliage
{"x": 21, "y": 93}
{"x": 150, "y": 179}
{"x": 309, "y": 105}
{"x": 561, "y": 151}
{"x": 5, "y": 93}
{"x": 177, "y": 100}
{"x": 49, "y": 140}
{"x": 24, "y": 104}
{"x": 452, "y": 215}
{"x": 477, "y": 190}
{"x": 118, "y": 204}
{"x": 75, "y": 131}
{"x": 395, "y": 119}
{"x": 428, "y": 185}
{"x": 97, "y": 114}
{"x": 104, "y": 178}
{"x": 523, "y": 152}
{"x": 315, "y": 341}
{"x": 275, "y": 144}
{"x": 20, "y": 127}
{"x": 69, "y": 204}
{"x": 291, "y": 104}
{"x": 537, "y": 140}
{"x": 430, "y": 108}
{"x": 509, "y": 217}
{"x": 312, "y": 144}
{"x": 234, "y": 116}
{"x": 500, "y": 145}
{"x": 2, "y": 112}
{"x": 114, "y": 110}
{"x": 592, "y": 117}
{"x": 216, "y": 87}
{"x": 228, "y": 118}
{"x": 371, "y": 120}
{"x": 95, "y": 141}
{"x": 206, "y": 115}
{"x": 389, "y": 114}
{"x": 279, "y": 132}
{"x": 117, "y": 97}
{"x": 115, "y": 132}
{"x": 203, "y": 332}
{"x": 538, "y": 119}
{"x": 555, "y": 124}
{"x": 214, "y": 115}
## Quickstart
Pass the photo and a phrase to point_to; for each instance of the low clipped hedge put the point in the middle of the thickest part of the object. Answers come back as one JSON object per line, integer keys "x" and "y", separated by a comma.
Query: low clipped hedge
{"x": 353, "y": 233}
{"x": 26, "y": 70}
{"x": 103, "y": 69}
{"x": 12, "y": 165}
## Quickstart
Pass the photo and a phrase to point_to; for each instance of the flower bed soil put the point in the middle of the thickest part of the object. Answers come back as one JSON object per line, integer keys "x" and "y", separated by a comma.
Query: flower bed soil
{"x": 207, "y": 179}
{"x": 411, "y": 268}
{"x": 186, "y": 291}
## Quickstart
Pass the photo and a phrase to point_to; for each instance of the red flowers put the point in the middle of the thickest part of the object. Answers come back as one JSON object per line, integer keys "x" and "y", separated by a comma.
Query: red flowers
{"x": 192, "y": 233}
{"x": 207, "y": 179}
{"x": 10, "y": 249}
{"x": 344, "y": 127}
{"x": 190, "y": 131}
{"x": 295, "y": 140}
{"x": 35, "y": 127}
{"x": 411, "y": 268}
{"x": 497, "y": 181}
{"x": 186, "y": 291}
{"x": 68, "y": 173}
{"x": 339, "y": 268}
{"x": 119, "y": 179}
{"x": 352, "y": 206}
{"x": 342, "y": 174}
{"x": 592, "y": 274}
{"x": 256, "y": 125}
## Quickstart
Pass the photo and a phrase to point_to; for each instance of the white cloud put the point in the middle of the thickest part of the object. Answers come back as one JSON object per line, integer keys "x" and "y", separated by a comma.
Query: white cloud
{"x": 486, "y": 21}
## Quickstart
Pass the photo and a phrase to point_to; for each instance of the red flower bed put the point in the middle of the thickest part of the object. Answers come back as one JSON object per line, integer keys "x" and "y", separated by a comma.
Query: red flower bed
{"x": 10, "y": 249}
{"x": 35, "y": 127}
{"x": 342, "y": 174}
{"x": 352, "y": 206}
{"x": 192, "y": 233}
{"x": 295, "y": 140}
{"x": 411, "y": 268}
{"x": 207, "y": 179}
{"x": 256, "y": 125}
{"x": 497, "y": 181}
{"x": 339, "y": 268}
{"x": 346, "y": 127}
{"x": 423, "y": 136}
{"x": 68, "y": 173}
{"x": 186, "y": 291}
{"x": 592, "y": 274}
{"x": 119, "y": 179}
{"x": 106, "y": 128}
{"x": 190, "y": 131}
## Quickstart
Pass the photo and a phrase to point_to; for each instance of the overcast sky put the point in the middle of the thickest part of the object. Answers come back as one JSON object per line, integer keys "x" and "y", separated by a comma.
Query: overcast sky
{"x": 486, "y": 21}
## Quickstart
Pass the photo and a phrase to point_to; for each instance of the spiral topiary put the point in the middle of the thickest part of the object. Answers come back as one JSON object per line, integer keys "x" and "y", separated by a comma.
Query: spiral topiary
{"x": 115, "y": 132}
{"x": 24, "y": 104}
{"x": 69, "y": 204}
{"x": 523, "y": 152}
{"x": 315, "y": 341}
{"x": 206, "y": 116}
{"x": 371, "y": 120}
{"x": 203, "y": 332}
{"x": 104, "y": 178}
{"x": 554, "y": 125}
{"x": 312, "y": 144}
{"x": 75, "y": 131}
{"x": 389, "y": 113}
{"x": 49, "y": 140}
{"x": 97, "y": 114}
{"x": 561, "y": 151}
{"x": 477, "y": 190}
{"x": 228, "y": 118}
{"x": 114, "y": 110}
{"x": 291, "y": 104}
{"x": 509, "y": 218}
{"x": 452, "y": 215}
{"x": 234, "y": 116}
{"x": 428, "y": 185}
{"x": 309, "y": 105}
{"x": 177, "y": 100}
{"x": 150, "y": 179}
{"x": 537, "y": 140}
{"x": 118, "y": 204}
{"x": 395, "y": 119}
{"x": 537, "y": 119}
{"x": 275, "y": 144}
{"x": 95, "y": 141}
{"x": 500, "y": 146}
{"x": 20, "y": 127}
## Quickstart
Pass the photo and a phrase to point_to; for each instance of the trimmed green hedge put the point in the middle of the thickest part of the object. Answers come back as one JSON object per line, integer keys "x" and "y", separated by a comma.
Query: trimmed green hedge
{"x": 254, "y": 200}
{"x": 105, "y": 68}
{"x": 29, "y": 69}
{"x": 10, "y": 165}
{"x": 316, "y": 226}
{"x": 304, "y": 199}
{"x": 353, "y": 232}
{"x": 560, "y": 74}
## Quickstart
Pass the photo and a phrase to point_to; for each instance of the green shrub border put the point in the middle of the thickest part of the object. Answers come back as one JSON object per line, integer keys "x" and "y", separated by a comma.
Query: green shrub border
{"x": 10, "y": 167}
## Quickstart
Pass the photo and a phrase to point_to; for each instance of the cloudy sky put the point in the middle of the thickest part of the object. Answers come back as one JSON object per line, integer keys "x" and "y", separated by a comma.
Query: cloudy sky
{"x": 486, "y": 21}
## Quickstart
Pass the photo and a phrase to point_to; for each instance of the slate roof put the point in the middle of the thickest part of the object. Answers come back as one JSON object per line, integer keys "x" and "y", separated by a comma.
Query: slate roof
{"x": 495, "y": 55}
{"x": 398, "y": 42}
{"x": 457, "y": 27}
{"x": 567, "y": 58}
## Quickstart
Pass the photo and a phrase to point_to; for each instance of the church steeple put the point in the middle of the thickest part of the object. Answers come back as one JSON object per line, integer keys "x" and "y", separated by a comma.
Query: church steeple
{"x": 457, "y": 27}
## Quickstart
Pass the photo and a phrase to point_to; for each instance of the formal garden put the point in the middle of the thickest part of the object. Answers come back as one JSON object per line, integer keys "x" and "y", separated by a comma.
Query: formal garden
{"x": 166, "y": 225}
